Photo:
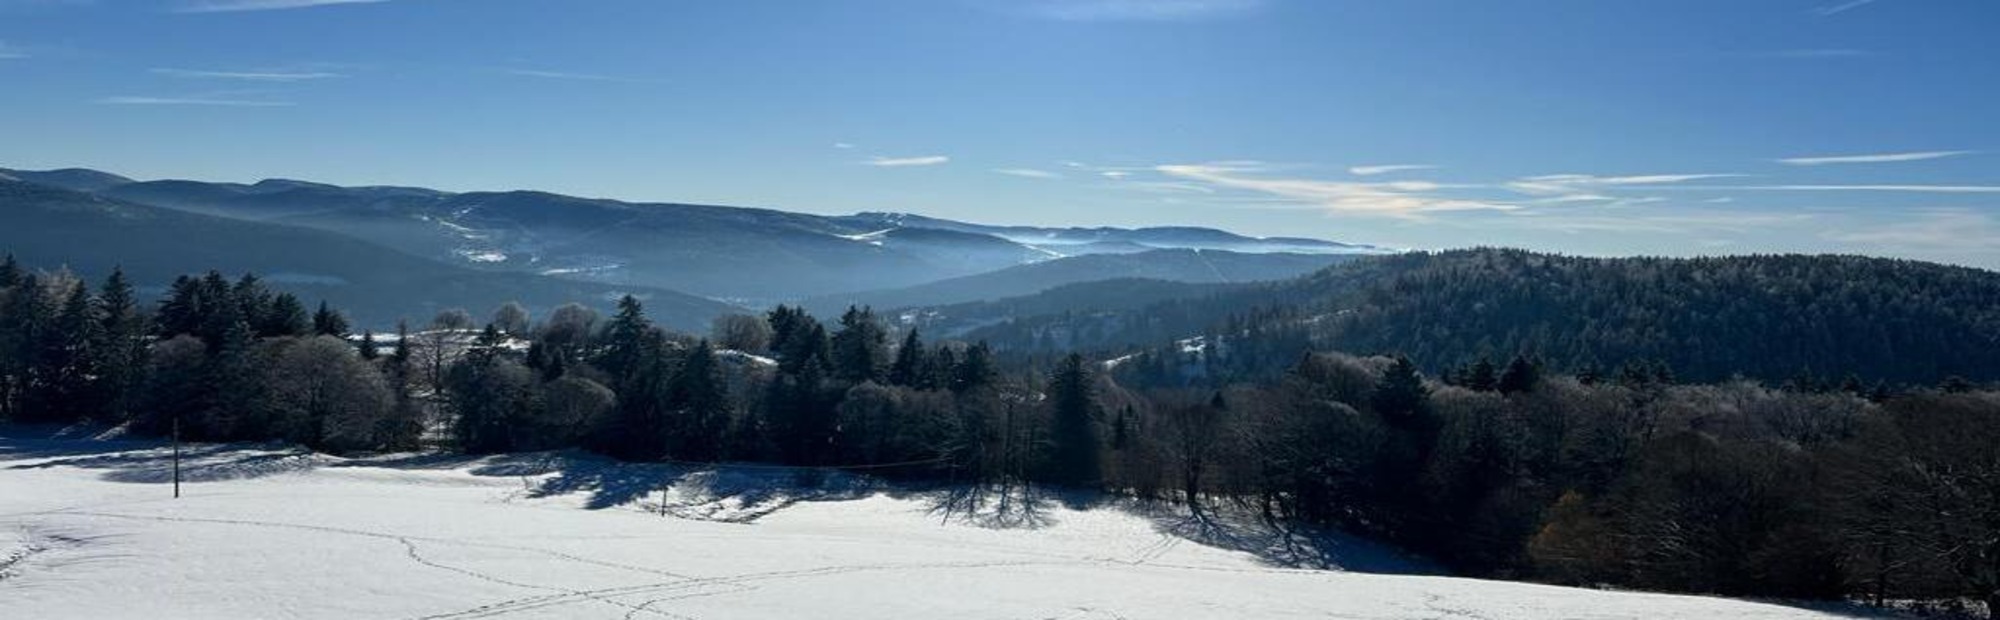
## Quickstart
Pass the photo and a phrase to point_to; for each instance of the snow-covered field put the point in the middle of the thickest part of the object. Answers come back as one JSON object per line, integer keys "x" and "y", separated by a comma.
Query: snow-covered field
{"x": 88, "y": 530}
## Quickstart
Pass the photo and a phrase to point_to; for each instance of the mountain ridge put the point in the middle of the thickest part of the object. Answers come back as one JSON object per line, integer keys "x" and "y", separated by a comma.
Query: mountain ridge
{"x": 50, "y": 227}
{"x": 746, "y": 254}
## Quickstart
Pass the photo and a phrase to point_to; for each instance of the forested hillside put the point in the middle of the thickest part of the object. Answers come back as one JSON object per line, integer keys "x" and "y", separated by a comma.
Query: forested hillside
{"x": 1634, "y": 477}
{"x": 1178, "y": 265}
{"x": 1769, "y": 317}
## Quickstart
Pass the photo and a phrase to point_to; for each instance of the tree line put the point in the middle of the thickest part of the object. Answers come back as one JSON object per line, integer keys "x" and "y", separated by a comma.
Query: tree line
{"x": 1518, "y": 470}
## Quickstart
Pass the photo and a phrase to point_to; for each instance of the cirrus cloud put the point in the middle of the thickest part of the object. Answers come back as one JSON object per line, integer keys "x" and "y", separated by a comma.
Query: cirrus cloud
{"x": 238, "y": 6}
{"x": 1875, "y": 158}
{"x": 1365, "y": 171}
{"x": 1030, "y": 173}
{"x": 251, "y": 76}
{"x": 906, "y": 162}
{"x": 1400, "y": 199}
{"x": 1132, "y": 10}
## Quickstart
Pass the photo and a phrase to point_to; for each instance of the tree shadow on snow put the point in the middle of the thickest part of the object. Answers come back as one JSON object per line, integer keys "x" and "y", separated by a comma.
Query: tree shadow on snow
{"x": 721, "y": 492}
{"x": 995, "y": 506}
{"x": 1278, "y": 543}
{"x": 153, "y": 462}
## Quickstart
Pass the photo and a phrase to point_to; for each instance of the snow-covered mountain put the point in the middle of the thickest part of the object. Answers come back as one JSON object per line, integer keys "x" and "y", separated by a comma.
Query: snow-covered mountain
{"x": 733, "y": 253}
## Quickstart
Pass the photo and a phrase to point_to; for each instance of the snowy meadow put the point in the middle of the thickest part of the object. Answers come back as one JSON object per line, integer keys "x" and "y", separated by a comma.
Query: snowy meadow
{"x": 89, "y": 529}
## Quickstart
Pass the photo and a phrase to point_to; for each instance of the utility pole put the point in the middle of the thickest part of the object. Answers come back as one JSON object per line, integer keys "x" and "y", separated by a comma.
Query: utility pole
{"x": 177, "y": 457}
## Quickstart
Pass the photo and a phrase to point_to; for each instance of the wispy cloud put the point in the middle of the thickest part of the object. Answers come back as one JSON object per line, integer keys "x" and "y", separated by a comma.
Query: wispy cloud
{"x": 251, "y": 76}
{"x": 235, "y": 6}
{"x": 1132, "y": 10}
{"x": 574, "y": 76}
{"x": 1586, "y": 184}
{"x": 1920, "y": 189}
{"x": 1028, "y": 173}
{"x": 1169, "y": 187}
{"x": 1659, "y": 223}
{"x": 1936, "y": 230}
{"x": 192, "y": 101}
{"x": 1876, "y": 158}
{"x": 1114, "y": 173}
{"x": 905, "y": 162}
{"x": 1841, "y": 7}
{"x": 9, "y": 52}
{"x": 1575, "y": 198}
{"x": 1814, "y": 53}
{"x": 843, "y": 146}
{"x": 1403, "y": 199}
{"x": 1365, "y": 171}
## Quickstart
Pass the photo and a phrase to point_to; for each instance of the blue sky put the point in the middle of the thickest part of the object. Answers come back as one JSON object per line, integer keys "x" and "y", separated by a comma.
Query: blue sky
{"x": 1587, "y": 126}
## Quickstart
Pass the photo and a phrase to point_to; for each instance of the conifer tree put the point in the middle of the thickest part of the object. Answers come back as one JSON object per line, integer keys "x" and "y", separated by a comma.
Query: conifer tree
{"x": 10, "y": 272}
{"x": 24, "y": 319}
{"x": 701, "y": 406}
{"x": 233, "y": 388}
{"x": 1522, "y": 375}
{"x": 122, "y": 348}
{"x": 940, "y": 369}
{"x": 1401, "y": 398}
{"x": 976, "y": 370}
{"x": 1482, "y": 377}
{"x": 327, "y": 322}
{"x": 71, "y": 360}
{"x": 285, "y": 316}
{"x": 1073, "y": 457}
{"x": 910, "y": 361}
{"x": 860, "y": 349}
{"x": 625, "y": 340}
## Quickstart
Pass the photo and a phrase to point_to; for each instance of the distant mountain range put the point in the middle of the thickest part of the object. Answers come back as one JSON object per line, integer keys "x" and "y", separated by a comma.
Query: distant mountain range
{"x": 745, "y": 256}
{"x": 49, "y": 227}
{"x": 1176, "y": 265}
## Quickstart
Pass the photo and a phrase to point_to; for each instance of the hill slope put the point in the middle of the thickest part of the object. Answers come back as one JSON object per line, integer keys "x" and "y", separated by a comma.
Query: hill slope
{"x": 440, "y": 536}
{"x": 49, "y": 227}
{"x": 1194, "y": 266}
{"x": 1770, "y": 317}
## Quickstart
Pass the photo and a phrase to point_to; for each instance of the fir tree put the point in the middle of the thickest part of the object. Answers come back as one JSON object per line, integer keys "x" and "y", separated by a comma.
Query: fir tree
{"x": 1073, "y": 457}
{"x": 72, "y": 359}
{"x": 701, "y": 406}
{"x": 1121, "y": 430}
{"x": 976, "y": 370}
{"x": 1522, "y": 375}
{"x": 10, "y": 272}
{"x": 122, "y": 349}
{"x": 285, "y": 316}
{"x": 625, "y": 340}
{"x": 908, "y": 369}
{"x": 861, "y": 348}
{"x": 1482, "y": 377}
{"x": 1401, "y": 398}
{"x": 327, "y": 322}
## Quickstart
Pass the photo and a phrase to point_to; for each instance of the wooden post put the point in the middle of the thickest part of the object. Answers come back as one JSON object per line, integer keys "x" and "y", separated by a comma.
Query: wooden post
{"x": 177, "y": 457}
